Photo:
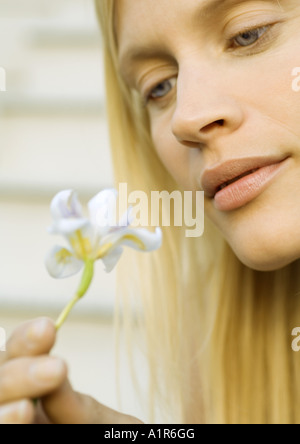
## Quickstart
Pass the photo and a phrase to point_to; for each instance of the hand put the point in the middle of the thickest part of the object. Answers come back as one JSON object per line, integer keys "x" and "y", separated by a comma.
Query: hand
{"x": 27, "y": 372}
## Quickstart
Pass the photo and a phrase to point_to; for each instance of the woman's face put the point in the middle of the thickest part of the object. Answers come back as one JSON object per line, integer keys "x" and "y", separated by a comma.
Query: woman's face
{"x": 219, "y": 80}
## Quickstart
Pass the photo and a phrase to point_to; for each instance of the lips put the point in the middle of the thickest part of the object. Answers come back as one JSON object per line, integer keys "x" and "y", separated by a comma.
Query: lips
{"x": 218, "y": 178}
{"x": 229, "y": 182}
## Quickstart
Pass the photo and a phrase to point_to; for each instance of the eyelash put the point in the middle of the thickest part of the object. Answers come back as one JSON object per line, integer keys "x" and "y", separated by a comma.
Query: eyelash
{"x": 230, "y": 46}
{"x": 148, "y": 98}
{"x": 261, "y": 40}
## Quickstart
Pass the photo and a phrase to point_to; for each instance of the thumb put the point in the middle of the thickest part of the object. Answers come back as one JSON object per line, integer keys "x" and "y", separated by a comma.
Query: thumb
{"x": 65, "y": 406}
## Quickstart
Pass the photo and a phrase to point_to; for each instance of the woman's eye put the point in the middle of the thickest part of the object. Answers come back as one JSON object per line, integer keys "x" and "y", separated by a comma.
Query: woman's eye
{"x": 161, "y": 90}
{"x": 248, "y": 38}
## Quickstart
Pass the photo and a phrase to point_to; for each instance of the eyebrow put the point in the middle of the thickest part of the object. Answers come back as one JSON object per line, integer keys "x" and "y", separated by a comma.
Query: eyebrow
{"x": 139, "y": 52}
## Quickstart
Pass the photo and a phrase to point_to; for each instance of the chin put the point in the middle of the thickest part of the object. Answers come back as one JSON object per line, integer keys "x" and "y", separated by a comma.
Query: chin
{"x": 264, "y": 258}
{"x": 267, "y": 237}
{"x": 265, "y": 266}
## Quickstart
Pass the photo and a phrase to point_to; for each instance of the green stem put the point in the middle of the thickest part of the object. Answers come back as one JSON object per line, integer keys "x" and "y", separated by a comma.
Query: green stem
{"x": 66, "y": 311}
{"x": 85, "y": 283}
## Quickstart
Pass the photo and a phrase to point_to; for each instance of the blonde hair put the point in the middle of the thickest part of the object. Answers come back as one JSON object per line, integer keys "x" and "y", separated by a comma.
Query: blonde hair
{"x": 218, "y": 334}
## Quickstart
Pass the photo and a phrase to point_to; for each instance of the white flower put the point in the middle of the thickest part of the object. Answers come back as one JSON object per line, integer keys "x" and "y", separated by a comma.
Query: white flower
{"x": 93, "y": 238}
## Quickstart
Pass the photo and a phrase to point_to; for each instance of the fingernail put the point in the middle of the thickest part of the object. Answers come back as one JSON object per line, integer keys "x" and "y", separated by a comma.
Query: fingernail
{"x": 13, "y": 413}
{"x": 48, "y": 370}
{"x": 37, "y": 330}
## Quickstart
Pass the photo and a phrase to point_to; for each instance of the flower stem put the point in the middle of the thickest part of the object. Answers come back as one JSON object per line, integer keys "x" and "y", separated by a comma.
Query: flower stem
{"x": 66, "y": 311}
{"x": 85, "y": 283}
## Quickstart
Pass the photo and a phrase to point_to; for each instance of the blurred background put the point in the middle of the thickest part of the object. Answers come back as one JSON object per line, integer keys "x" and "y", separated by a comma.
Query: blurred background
{"x": 53, "y": 136}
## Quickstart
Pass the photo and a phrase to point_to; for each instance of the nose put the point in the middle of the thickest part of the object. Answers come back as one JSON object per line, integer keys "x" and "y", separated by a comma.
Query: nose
{"x": 205, "y": 110}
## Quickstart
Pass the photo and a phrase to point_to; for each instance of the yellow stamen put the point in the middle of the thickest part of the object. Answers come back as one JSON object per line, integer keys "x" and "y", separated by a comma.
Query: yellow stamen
{"x": 136, "y": 240}
{"x": 63, "y": 256}
{"x": 81, "y": 245}
{"x": 104, "y": 250}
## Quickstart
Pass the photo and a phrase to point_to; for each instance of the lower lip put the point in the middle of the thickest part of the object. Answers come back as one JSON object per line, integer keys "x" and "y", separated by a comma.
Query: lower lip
{"x": 245, "y": 190}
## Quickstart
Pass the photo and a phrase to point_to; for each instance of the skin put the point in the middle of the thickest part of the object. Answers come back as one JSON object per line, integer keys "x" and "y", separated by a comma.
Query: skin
{"x": 27, "y": 372}
{"x": 209, "y": 77}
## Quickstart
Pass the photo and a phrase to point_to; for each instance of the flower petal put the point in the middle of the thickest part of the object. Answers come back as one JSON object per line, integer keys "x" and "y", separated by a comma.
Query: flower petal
{"x": 127, "y": 218}
{"x": 65, "y": 205}
{"x": 68, "y": 226}
{"x": 61, "y": 263}
{"x": 138, "y": 239}
{"x": 102, "y": 209}
{"x": 67, "y": 213}
{"x": 112, "y": 258}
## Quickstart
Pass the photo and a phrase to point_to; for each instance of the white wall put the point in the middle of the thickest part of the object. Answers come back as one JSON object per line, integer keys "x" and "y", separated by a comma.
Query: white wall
{"x": 53, "y": 136}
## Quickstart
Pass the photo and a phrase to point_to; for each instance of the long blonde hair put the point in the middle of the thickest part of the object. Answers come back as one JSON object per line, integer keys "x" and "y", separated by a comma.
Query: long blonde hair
{"x": 218, "y": 334}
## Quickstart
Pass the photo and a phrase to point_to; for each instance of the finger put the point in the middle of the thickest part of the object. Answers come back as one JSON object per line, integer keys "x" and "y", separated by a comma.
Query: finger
{"x": 85, "y": 410}
{"x": 21, "y": 412}
{"x": 57, "y": 406}
{"x": 30, "y": 378}
{"x": 31, "y": 339}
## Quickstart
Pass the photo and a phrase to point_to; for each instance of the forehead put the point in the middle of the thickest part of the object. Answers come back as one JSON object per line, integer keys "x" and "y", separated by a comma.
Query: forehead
{"x": 137, "y": 21}
{"x": 139, "y": 14}
{"x": 144, "y": 24}
{"x": 147, "y": 27}
{"x": 135, "y": 16}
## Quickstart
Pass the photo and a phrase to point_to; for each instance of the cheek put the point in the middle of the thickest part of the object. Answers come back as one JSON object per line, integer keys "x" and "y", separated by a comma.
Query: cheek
{"x": 174, "y": 156}
{"x": 286, "y": 109}
{"x": 274, "y": 94}
{"x": 265, "y": 235}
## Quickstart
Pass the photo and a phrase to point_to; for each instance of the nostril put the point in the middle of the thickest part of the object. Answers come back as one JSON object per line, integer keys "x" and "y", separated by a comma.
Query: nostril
{"x": 212, "y": 125}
